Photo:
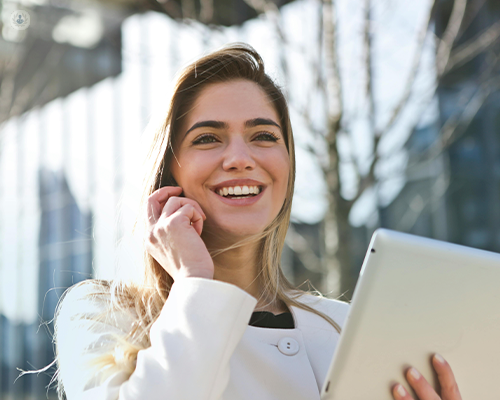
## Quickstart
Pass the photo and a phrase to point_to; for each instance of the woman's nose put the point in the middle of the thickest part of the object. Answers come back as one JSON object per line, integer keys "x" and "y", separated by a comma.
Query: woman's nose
{"x": 237, "y": 156}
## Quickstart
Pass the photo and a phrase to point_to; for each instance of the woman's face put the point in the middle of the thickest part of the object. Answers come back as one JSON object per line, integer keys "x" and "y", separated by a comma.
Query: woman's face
{"x": 232, "y": 158}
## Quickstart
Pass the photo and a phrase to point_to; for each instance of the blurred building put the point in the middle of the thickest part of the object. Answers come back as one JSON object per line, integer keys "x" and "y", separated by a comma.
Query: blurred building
{"x": 64, "y": 258}
{"x": 45, "y": 232}
{"x": 453, "y": 193}
{"x": 84, "y": 83}
{"x": 66, "y": 47}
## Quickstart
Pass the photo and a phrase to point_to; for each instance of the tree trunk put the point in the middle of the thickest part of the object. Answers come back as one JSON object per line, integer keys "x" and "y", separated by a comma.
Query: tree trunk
{"x": 344, "y": 251}
{"x": 337, "y": 237}
{"x": 339, "y": 279}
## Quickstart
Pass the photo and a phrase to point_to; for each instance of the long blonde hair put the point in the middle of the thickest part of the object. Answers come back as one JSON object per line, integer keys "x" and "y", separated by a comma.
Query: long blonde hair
{"x": 147, "y": 297}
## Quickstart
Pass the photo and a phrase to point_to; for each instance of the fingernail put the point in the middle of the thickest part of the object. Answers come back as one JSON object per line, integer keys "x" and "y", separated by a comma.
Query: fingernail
{"x": 439, "y": 358}
{"x": 414, "y": 373}
{"x": 401, "y": 390}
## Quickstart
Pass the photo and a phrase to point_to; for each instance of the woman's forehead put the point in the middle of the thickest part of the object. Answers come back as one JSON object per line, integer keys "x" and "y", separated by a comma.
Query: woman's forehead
{"x": 232, "y": 102}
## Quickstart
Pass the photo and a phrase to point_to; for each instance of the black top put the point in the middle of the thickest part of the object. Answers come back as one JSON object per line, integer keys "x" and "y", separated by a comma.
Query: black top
{"x": 266, "y": 319}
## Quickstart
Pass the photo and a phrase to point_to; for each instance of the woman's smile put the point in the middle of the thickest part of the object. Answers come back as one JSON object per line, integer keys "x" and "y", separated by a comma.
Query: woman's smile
{"x": 238, "y": 192}
{"x": 232, "y": 158}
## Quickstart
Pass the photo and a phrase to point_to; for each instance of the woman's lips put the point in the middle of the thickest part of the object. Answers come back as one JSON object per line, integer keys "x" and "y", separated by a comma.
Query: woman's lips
{"x": 247, "y": 201}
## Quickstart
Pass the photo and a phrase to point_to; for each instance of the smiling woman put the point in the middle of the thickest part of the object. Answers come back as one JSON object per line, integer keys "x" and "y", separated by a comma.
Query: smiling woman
{"x": 235, "y": 143}
{"x": 213, "y": 317}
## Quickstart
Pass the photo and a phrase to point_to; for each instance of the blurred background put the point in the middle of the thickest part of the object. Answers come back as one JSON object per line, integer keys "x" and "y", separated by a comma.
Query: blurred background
{"x": 395, "y": 108}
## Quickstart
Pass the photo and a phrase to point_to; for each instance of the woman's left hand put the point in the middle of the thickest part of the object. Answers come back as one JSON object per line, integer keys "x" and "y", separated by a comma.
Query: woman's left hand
{"x": 449, "y": 388}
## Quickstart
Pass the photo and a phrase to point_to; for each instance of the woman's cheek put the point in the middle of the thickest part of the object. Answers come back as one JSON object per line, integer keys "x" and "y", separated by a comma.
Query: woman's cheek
{"x": 281, "y": 170}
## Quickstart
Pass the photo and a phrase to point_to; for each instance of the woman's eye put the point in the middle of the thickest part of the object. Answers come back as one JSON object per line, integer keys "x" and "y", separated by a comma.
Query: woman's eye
{"x": 267, "y": 136}
{"x": 205, "y": 139}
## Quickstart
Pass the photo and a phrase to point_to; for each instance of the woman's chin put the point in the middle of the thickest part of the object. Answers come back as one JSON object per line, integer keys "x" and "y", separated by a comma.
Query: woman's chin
{"x": 233, "y": 231}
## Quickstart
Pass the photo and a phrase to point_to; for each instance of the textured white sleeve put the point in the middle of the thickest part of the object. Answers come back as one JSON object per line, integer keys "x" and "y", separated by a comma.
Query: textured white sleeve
{"x": 192, "y": 342}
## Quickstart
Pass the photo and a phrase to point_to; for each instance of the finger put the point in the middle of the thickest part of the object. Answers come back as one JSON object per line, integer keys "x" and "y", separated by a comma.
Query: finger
{"x": 400, "y": 393}
{"x": 422, "y": 388}
{"x": 193, "y": 216}
{"x": 157, "y": 200}
{"x": 449, "y": 387}
{"x": 164, "y": 193}
{"x": 174, "y": 203}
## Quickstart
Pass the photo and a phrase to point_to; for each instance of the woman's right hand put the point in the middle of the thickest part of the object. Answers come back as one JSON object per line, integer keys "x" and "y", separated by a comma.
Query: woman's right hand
{"x": 448, "y": 385}
{"x": 173, "y": 234}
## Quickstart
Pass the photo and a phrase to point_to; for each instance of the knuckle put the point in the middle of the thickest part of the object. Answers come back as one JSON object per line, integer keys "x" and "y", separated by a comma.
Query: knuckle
{"x": 175, "y": 219}
{"x": 172, "y": 201}
{"x": 191, "y": 202}
{"x": 152, "y": 237}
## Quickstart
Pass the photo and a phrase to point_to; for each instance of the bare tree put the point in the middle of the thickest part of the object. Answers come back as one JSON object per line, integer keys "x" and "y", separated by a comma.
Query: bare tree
{"x": 336, "y": 263}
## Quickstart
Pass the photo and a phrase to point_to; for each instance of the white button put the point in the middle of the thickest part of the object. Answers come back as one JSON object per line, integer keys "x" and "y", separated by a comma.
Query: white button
{"x": 288, "y": 346}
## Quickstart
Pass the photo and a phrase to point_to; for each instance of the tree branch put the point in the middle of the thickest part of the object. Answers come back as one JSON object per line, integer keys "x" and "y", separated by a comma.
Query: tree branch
{"x": 471, "y": 13}
{"x": 415, "y": 66}
{"x": 367, "y": 42}
{"x": 417, "y": 206}
{"x": 450, "y": 35}
{"x": 451, "y": 131}
{"x": 369, "y": 179}
{"x": 333, "y": 85}
{"x": 473, "y": 47}
{"x": 456, "y": 125}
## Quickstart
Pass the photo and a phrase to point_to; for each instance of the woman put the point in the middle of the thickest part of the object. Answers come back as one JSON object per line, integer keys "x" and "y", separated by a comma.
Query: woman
{"x": 218, "y": 204}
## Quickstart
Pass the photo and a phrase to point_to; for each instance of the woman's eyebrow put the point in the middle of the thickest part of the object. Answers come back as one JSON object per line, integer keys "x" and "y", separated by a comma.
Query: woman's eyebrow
{"x": 208, "y": 124}
{"x": 260, "y": 121}
{"x": 251, "y": 123}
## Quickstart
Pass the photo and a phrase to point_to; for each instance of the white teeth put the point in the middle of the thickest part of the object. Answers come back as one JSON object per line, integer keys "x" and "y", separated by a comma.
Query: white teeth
{"x": 239, "y": 190}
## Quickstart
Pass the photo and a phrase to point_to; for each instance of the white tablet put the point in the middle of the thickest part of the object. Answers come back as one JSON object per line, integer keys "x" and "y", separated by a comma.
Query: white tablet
{"x": 416, "y": 297}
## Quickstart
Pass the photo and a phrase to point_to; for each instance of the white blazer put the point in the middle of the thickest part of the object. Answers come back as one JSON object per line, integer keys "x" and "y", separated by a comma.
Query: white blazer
{"x": 201, "y": 348}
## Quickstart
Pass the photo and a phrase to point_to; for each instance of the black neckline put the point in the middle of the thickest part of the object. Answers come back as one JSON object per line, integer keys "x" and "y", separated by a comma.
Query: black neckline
{"x": 266, "y": 319}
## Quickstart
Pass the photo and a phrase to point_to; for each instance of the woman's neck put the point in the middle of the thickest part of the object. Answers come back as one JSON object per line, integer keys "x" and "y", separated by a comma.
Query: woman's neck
{"x": 241, "y": 266}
